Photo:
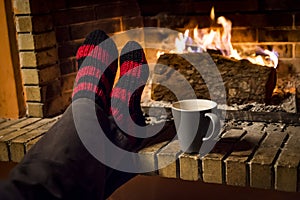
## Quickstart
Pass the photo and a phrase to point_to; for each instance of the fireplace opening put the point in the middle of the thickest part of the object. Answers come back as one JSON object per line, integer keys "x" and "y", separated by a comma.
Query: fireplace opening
{"x": 48, "y": 45}
{"x": 263, "y": 89}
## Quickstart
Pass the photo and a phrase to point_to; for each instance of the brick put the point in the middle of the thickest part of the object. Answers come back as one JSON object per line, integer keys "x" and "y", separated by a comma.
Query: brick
{"x": 283, "y": 50}
{"x": 80, "y": 3}
{"x": 298, "y": 98}
{"x": 198, "y": 7}
{"x": 21, "y": 6}
{"x": 68, "y": 66}
{"x": 33, "y": 23}
{"x": 243, "y": 35}
{"x": 49, "y": 74}
{"x": 44, "y": 124}
{"x": 59, "y": 4}
{"x": 297, "y": 50}
{"x": 79, "y": 31}
{"x": 31, "y": 143}
{"x": 35, "y": 109}
{"x": 40, "y": 76}
{"x": 57, "y": 105}
{"x": 45, "y": 40}
{"x": 150, "y": 21}
{"x": 73, "y": 16}
{"x": 26, "y": 41}
{"x": 31, "y": 6}
{"x": 23, "y": 23}
{"x": 294, "y": 139}
{"x": 5, "y": 143}
{"x": 132, "y": 22}
{"x": 236, "y": 162}
{"x": 261, "y": 165}
{"x": 67, "y": 50}
{"x": 6, "y": 131}
{"x": 189, "y": 167}
{"x": 17, "y": 147}
{"x": 46, "y": 57}
{"x": 175, "y": 22}
{"x": 36, "y": 59}
{"x": 40, "y": 7}
{"x": 62, "y": 33}
{"x": 166, "y": 159}
{"x": 297, "y": 19}
{"x": 212, "y": 163}
{"x": 42, "y": 23}
{"x": 117, "y": 9}
{"x": 286, "y": 170}
{"x": 37, "y": 41}
{"x": 43, "y": 93}
{"x": 261, "y": 20}
{"x": 33, "y": 93}
{"x": 271, "y": 35}
{"x": 147, "y": 157}
{"x": 68, "y": 82}
{"x": 4, "y": 152}
{"x": 10, "y": 122}
{"x": 280, "y": 5}
{"x": 25, "y": 123}
{"x": 290, "y": 65}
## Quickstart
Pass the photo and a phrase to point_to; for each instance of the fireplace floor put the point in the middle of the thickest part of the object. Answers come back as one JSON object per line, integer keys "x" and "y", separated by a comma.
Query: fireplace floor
{"x": 249, "y": 154}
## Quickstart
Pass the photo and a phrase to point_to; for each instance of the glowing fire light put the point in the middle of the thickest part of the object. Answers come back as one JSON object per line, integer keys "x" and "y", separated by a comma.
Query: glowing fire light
{"x": 219, "y": 38}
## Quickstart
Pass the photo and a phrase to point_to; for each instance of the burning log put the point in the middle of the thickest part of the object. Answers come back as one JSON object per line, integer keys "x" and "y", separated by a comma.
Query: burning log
{"x": 244, "y": 82}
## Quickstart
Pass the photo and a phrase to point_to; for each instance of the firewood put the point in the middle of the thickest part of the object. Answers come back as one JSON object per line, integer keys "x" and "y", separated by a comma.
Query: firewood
{"x": 243, "y": 81}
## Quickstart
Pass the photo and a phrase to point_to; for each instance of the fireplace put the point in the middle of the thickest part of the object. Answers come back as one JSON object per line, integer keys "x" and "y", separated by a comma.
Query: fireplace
{"x": 49, "y": 33}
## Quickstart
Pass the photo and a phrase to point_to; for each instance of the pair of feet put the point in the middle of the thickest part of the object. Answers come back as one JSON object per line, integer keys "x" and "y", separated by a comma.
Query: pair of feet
{"x": 97, "y": 61}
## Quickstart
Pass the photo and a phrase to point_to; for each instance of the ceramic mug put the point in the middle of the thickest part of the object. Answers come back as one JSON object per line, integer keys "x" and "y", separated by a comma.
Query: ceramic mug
{"x": 195, "y": 123}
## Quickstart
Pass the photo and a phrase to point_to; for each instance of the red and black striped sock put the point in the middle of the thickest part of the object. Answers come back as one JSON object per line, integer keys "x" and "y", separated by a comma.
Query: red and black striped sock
{"x": 97, "y": 61}
{"x": 126, "y": 95}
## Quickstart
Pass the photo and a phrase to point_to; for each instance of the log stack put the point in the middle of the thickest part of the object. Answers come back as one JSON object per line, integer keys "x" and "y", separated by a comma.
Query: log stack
{"x": 209, "y": 75}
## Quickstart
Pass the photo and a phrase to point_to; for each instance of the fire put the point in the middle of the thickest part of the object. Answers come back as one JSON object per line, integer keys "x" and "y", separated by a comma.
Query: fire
{"x": 218, "y": 37}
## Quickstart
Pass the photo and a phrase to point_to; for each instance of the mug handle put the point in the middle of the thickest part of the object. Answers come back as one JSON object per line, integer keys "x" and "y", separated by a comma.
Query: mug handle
{"x": 216, "y": 126}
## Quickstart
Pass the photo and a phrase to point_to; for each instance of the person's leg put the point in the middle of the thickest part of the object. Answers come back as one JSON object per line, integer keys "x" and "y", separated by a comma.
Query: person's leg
{"x": 126, "y": 95}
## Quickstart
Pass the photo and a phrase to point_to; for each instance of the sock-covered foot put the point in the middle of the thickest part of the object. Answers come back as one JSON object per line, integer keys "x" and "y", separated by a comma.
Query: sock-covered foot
{"x": 97, "y": 61}
{"x": 126, "y": 95}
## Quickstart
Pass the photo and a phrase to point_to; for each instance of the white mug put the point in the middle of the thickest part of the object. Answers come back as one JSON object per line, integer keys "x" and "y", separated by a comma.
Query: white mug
{"x": 196, "y": 123}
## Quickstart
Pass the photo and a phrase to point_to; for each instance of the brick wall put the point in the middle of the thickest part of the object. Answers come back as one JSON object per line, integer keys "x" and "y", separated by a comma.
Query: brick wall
{"x": 38, "y": 56}
{"x": 49, "y": 33}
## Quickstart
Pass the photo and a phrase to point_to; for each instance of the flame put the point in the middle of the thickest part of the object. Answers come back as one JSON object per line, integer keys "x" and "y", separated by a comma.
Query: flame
{"x": 212, "y": 13}
{"x": 218, "y": 37}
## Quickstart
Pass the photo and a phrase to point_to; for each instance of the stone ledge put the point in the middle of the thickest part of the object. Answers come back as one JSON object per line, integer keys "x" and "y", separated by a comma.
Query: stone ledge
{"x": 249, "y": 154}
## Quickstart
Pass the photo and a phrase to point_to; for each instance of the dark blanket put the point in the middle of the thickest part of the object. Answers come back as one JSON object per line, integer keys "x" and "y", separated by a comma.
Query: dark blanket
{"x": 59, "y": 166}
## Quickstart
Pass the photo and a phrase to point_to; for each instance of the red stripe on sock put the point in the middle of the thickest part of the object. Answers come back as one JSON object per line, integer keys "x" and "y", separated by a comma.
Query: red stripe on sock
{"x": 90, "y": 87}
{"x": 94, "y": 72}
{"x": 120, "y": 93}
{"x": 84, "y": 50}
{"x": 95, "y": 52}
{"x": 88, "y": 71}
{"x": 128, "y": 65}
